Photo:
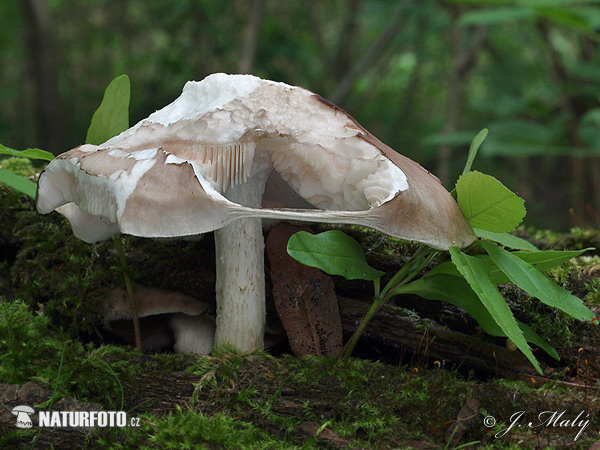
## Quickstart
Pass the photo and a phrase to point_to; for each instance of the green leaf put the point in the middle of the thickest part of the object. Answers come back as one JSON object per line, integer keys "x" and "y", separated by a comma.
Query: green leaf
{"x": 488, "y": 204}
{"x": 31, "y": 153}
{"x": 494, "y": 16}
{"x": 457, "y": 291}
{"x": 508, "y": 240}
{"x": 536, "y": 283}
{"x": 474, "y": 148}
{"x": 476, "y": 275}
{"x": 568, "y": 18}
{"x": 333, "y": 252}
{"x": 18, "y": 182}
{"x": 542, "y": 261}
{"x": 546, "y": 260}
{"x": 112, "y": 116}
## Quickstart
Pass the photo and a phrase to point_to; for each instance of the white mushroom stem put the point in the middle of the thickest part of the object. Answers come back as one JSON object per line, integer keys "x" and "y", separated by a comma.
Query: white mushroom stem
{"x": 240, "y": 284}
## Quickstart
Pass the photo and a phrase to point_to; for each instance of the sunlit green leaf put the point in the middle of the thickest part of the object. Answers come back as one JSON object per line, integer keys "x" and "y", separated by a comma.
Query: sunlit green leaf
{"x": 474, "y": 148}
{"x": 333, "y": 252}
{"x": 31, "y": 153}
{"x": 541, "y": 260}
{"x": 488, "y": 204}
{"x": 536, "y": 283}
{"x": 18, "y": 182}
{"x": 476, "y": 275}
{"x": 508, "y": 240}
{"x": 457, "y": 291}
{"x": 112, "y": 116}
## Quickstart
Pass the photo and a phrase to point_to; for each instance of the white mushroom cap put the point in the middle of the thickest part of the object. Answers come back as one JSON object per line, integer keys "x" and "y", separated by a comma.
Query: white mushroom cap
{"x": 166, "y": 176}
{"x": 22, "y": 409}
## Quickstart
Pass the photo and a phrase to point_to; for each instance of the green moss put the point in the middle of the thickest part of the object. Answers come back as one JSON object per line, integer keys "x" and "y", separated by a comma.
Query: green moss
{"x": 13, "y": 438}
{"x": 575, "y": 239}
{"x": 68, "y": 278}
{"x": 19, "y": 166}
{"x": 359, "y": 400}
{"x": 33, "y": 349}
{"x": 190, "y": 430}
{"x": 371, "y": 405}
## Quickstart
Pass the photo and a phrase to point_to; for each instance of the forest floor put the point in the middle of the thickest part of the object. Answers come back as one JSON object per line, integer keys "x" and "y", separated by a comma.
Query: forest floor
{"x": 424, "y": 376}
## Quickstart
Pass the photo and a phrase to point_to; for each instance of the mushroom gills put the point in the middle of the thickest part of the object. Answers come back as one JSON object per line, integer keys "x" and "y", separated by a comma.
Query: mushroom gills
{"x": 223, "y": 165}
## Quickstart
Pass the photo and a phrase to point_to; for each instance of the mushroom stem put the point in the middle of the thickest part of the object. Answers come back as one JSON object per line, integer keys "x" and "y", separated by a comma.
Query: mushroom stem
{"x": 240, "y": 284}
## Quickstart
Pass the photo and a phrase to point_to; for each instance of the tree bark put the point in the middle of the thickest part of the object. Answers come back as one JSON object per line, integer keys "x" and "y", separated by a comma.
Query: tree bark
{"x": 368, "y": 59}
{"x": 42, "y": 66}
{"x": 342, "y": 60}
{"x": 559, "y": 75}
{"x": 250, "y": 36}
{"x": 463, "y": 59}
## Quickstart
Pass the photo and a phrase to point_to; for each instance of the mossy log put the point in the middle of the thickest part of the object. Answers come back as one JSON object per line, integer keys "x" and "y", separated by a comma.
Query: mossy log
{"x": 427, "y": 340}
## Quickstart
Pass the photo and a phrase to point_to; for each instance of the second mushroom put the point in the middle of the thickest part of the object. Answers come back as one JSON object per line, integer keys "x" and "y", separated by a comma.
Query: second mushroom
{"x": 230, "y": 151}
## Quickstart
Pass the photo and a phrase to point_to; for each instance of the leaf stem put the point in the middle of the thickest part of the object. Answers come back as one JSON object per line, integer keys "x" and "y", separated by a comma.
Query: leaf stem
{"x": 349, "y": 347}
{"x": 376, "y": 287}
{"x": 410, "y": 270}
{"x": 403, "y": 270}
{"x": 396, "y": 289}
{"x": 130, "y": 292}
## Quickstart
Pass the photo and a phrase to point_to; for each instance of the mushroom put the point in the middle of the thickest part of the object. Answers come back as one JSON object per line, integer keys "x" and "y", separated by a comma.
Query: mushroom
{"x": 23, "y": 412}
{"x": 182, "y": 310}
{"x": 226, "y": 148}
{"x": 151, "y": 301}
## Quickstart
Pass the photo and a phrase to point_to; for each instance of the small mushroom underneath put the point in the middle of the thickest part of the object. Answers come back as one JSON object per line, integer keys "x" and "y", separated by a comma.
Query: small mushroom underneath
{"x": 156, "y": 306}
{"x": 193, "y": 334}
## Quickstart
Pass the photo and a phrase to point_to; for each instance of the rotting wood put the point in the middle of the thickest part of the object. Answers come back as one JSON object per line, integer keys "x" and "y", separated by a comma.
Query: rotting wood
{"x": 428, "y": 340}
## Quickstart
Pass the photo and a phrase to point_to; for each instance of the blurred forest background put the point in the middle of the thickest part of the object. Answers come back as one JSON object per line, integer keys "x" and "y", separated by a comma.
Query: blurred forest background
{"x": 424, "y": 76}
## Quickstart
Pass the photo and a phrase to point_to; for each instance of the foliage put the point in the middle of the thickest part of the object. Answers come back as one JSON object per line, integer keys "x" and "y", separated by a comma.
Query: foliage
{"x": 334, "y": 253}
{"x": 530, "y": 72}
{"x": 112, "y": 116}
{"x": 494, "y": 209}
{"x": 186, "y": 429}
{"x": 475, "y": 274}
{"x": 32, "y": 349}
{"x": 488, "y": 204}
{"x": 31, "y": 153}
{"x": 505, "y": 239}
{"x": 18, "y": 182}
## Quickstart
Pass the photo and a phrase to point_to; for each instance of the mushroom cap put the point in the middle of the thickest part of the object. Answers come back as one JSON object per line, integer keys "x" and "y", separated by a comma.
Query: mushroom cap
{"x": 150, "y": 301}
{"x": 169, "y": 175}
{"x": 22, "y": 409}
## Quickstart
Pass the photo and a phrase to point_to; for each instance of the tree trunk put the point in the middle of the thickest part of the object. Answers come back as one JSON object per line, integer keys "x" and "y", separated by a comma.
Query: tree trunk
{"x": 250, "y": 36}
{"x": 369, "y": 58}
{"x": 42, "y": 66}
{"x": 465, "y": 48}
